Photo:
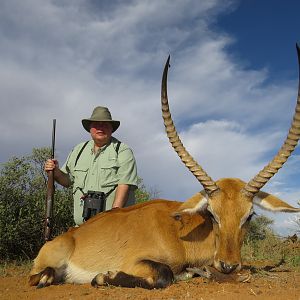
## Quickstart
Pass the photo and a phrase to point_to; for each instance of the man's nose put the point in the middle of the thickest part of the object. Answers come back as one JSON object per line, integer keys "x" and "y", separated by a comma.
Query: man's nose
{"x": 99, "y": 126}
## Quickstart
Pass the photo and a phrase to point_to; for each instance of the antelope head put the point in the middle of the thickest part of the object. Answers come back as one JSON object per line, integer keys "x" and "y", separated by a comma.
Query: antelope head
{"x": 229, "y": 202}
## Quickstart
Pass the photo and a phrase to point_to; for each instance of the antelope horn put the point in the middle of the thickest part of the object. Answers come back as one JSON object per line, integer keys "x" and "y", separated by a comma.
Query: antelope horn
{"x": 209, "y": 185}
{"x": 291, "y": 141}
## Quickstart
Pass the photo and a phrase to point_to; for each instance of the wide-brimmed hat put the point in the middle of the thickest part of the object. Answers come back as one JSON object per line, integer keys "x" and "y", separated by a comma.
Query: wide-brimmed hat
{"x": 100, "y": 114}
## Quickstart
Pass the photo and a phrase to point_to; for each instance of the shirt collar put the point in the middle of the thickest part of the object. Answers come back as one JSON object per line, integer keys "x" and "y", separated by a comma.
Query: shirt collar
{"x": 100, "y": 149}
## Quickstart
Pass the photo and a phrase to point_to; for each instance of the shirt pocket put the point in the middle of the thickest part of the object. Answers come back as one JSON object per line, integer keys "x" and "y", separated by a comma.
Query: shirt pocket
{"x": 109, "y": 173}
{"x": 80, "y": 175}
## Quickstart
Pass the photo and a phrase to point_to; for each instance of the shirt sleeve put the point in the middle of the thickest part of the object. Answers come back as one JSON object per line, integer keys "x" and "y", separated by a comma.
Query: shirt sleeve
{"x": 127, "y": 172}
{"x": 66, "y": 168}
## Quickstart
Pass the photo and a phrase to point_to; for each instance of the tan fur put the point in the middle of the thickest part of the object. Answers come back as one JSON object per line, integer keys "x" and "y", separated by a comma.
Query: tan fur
{"x": 169, "y": 232}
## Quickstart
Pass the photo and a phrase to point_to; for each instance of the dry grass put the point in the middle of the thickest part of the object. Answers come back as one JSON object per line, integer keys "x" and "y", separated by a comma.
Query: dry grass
{"x": 273, "y": 249}
{"x": 14, "y": 268}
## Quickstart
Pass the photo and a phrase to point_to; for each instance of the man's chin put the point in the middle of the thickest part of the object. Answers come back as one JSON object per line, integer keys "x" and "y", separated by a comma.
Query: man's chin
{"x": 103, "y": 139}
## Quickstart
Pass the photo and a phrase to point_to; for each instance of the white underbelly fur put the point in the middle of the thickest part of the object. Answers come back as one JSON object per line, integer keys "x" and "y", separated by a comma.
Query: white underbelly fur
{"x": 75, "y": 274}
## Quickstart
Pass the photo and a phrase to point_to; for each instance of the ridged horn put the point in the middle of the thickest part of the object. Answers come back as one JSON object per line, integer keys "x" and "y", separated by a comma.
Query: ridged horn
{"x": 291, "y": 141}
{"x": 209, "y": 185}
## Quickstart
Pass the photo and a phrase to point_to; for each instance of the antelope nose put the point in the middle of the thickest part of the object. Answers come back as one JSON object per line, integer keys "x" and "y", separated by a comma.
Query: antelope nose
{"x": 227, "y": 268}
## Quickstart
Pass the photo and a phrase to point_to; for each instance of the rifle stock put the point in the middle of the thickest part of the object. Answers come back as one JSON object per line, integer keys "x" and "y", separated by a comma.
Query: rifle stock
{"x": 50, "y": 192}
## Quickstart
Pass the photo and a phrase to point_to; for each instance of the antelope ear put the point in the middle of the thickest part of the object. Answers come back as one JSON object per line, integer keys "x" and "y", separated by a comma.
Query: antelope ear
{"x": 194, "y": 204}
{"x": 272, "y": 203}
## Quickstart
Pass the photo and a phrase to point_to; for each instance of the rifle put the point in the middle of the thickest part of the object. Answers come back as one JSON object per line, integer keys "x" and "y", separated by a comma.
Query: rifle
{"x": 50, "y": 192}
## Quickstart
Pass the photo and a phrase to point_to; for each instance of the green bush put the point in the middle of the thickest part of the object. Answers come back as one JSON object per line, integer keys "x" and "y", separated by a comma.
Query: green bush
{"x": 142, "y": 194}
{"x": 22, "y": 206}
{"x": 262, "y": 244}
{"x": 259, "y": 228}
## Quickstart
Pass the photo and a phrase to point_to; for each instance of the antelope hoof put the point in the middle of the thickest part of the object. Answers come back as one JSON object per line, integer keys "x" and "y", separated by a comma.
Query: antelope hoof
{"x": 101, "y": 278}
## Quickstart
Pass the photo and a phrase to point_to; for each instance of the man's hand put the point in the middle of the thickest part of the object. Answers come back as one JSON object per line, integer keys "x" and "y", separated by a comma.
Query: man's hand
{"x": 51, "y": 165}
{"x": 59, "y": 176}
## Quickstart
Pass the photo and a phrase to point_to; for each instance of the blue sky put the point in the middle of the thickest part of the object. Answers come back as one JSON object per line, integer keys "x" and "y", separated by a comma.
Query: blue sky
{"x": 232, "y": 83}
{"x": 265, "y": 31}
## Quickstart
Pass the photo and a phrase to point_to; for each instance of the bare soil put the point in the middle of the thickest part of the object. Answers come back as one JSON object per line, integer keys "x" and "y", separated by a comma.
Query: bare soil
{"x": 283, "y": 284}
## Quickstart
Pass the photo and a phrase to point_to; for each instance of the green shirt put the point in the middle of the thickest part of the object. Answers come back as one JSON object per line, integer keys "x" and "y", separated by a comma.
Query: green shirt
{"x": 101, "y": 171}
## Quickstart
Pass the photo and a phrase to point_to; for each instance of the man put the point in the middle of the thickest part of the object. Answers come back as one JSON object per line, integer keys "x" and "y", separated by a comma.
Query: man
{"x": 102, "y": 164}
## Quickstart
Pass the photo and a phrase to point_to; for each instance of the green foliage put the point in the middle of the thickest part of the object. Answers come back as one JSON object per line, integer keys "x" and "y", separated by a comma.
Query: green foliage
{"x": 22, "y": 206}
{"x": 142, "y": 194}
{"x": 262, "y": 244}
{"x": 258, "y": 229}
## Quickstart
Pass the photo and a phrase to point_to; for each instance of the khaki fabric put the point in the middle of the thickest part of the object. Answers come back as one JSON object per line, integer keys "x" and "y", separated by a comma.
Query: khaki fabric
{"x": 100, "y": 171}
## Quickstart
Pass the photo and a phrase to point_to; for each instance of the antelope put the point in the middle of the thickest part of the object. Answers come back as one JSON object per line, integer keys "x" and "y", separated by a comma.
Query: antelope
{"x": 151, "y": 244}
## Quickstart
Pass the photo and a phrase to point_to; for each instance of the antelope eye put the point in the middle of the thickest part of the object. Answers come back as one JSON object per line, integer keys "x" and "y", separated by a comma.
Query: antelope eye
{"x": 177, "y": 217}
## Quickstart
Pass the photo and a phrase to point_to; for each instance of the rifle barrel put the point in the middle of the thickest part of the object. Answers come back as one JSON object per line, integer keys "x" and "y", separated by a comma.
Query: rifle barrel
{"x": 53, "y": 138}
{"x": 50, "y": 191}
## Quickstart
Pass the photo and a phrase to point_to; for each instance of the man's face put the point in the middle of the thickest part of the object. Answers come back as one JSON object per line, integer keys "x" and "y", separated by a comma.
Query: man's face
{"x": 101, "y": 132}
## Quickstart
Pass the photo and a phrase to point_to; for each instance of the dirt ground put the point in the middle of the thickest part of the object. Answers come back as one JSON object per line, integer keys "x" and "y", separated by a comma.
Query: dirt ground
{"x": 262, "y": 285}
